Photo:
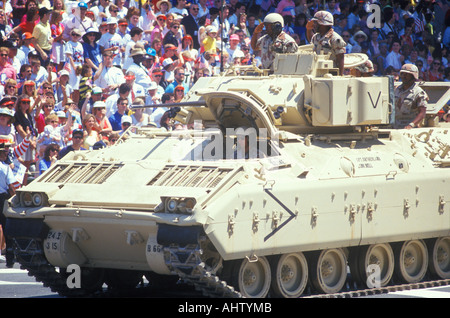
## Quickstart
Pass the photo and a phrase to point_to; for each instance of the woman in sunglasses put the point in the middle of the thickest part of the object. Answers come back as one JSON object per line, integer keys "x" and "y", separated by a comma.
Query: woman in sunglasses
{"x": 10, "y": 87}
{"x": 434, "y": 72}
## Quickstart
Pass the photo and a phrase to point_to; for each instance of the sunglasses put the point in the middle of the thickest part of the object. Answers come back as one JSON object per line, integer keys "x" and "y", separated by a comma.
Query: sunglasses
{"x": 26, "y": 102}
{"x": 74, "y": 34}
{"x": 77, "y": 137}
{"x": 3, "y": 54}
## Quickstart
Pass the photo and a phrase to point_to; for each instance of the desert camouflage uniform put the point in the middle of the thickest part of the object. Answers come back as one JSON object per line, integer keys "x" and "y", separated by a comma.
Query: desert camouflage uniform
{"x": 284, "y": 43}
{"x": 329, "y": 43}
{"x": 408, "y": 103}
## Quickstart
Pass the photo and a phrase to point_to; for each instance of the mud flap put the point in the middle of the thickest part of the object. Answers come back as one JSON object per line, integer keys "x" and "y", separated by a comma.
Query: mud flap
{"x": 26, "y": 228}
{"x": 180, "y": 235}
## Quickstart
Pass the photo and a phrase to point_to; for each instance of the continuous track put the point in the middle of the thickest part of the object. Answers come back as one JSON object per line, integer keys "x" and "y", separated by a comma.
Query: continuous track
{"x": 192, "y": 272}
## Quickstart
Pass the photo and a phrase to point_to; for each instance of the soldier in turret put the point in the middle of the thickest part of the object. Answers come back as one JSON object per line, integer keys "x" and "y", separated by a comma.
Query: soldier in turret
{"x": 326, "y": 39}
{"x": 410, "y": 100}
{"x": 274, "y": 41}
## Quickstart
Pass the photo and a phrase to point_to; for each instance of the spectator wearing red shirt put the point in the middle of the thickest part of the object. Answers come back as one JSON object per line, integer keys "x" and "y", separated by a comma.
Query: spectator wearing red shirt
{"x": 29, "y": 24}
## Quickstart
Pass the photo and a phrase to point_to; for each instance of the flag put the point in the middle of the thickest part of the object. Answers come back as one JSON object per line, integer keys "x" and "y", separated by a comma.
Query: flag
{"x": 418, "y": 23}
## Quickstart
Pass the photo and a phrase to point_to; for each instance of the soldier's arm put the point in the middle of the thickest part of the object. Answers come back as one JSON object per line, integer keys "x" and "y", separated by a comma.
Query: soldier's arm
{"x": 255, "y": 36}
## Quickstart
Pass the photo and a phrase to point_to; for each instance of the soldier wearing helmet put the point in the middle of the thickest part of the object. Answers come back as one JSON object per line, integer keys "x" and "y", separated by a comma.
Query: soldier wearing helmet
{"x": 326, "y": 39}
{"x": 410, "y": 100}
{"x": 274, "y": 41}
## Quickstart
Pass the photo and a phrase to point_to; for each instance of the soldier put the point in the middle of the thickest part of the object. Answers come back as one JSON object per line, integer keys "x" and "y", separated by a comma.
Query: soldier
{"x": 410, "y": 99}
{"x": 326, "y": 39}
{"x": 275, "y": 41}
{"x": 7, "y": 190}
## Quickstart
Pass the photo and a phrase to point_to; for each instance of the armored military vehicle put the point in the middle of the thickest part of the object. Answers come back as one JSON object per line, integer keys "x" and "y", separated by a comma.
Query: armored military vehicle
{"x": 281, "y": 182}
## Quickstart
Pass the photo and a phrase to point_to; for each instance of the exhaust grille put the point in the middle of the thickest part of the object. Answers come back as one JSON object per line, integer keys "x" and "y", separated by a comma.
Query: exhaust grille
{"x": 87, "y": 173}
{"x": 190, "y": 176}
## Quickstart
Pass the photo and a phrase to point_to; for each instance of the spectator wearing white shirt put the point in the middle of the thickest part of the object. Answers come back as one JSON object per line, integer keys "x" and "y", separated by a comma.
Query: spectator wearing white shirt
{"x": 111, "y": 41}
{"x": 180, "y": 8}
{"x": 108, "y": 77}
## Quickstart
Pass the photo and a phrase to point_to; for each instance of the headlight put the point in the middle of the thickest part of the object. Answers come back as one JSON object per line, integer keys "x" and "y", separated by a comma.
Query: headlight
{"x": 172, "y": 205}
{"x": 176, "y": 205}
{"x": 27, "y": 199}
{"x": 32, "y": 199}
{"x": 37, "y": 199}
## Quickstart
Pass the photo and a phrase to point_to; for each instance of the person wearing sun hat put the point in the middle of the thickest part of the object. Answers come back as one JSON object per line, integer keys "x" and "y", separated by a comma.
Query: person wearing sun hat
{"x": 320, "y": 33}
{"x": 411, "y": 100}
{"x": 6, "y": 120}
{"x": 163, "y": 7}
{"x": 137, "y": 54}
{"x": 92, "y": 53}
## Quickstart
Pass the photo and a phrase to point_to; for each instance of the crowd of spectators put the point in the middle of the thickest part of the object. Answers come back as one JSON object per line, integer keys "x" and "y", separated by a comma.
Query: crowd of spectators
{"x": 69, "y": 70}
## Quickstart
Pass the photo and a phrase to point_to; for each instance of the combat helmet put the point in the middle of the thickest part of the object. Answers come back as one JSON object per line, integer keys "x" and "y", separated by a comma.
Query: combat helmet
{"x": 274, "y": 18}
{"x": 324, "y": 18}
{"x": 410, "y": 69}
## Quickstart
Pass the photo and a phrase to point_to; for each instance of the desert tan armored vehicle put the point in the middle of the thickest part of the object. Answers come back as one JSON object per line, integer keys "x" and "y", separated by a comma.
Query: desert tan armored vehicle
{"x": 321, "y": 182}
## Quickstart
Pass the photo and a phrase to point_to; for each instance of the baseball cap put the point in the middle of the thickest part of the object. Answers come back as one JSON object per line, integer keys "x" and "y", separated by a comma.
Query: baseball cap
{"x": 234, "y": 37}
{"x": 126, "y": 119}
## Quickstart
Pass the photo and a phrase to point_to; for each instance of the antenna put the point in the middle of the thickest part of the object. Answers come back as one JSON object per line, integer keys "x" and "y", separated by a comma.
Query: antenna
{"x": 222, "y": 25}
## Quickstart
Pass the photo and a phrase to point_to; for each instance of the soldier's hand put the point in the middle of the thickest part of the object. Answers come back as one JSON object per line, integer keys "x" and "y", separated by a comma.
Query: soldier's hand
{"x": 259, "y": 28}
{"x": 310, "y": 25}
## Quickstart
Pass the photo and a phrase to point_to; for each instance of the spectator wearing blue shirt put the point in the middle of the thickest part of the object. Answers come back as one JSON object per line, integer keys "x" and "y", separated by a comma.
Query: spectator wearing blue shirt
{"x": 91, "y": 49}
{"x": 116, "y": 118}
{"x": 179, "y": 74}
{"x": 50, "y": 157}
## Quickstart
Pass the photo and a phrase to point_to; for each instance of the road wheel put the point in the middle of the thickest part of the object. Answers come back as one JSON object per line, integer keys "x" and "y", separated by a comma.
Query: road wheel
{"x": 372, "y": 265}
{"x": 251, "y": 277}
{"x": 328, "y": 270}
{"x": 289, "y": 275}
{"x": 411, "y": 261}
{"x": 439, "y": 257}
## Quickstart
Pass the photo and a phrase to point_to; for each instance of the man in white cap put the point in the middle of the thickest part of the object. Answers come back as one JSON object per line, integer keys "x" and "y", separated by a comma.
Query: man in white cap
{"x": 326, "y": 40}
{"x": 274, "y": 41}
{"x": 111, "y": 41}
{"x": 410, "y": 100}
